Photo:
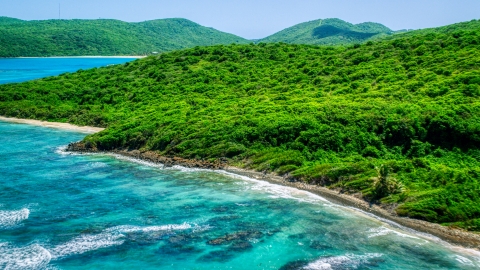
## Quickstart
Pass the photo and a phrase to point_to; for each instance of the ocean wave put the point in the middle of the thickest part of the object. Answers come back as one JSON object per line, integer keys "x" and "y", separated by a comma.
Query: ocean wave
{"x": 129, "y": 228}
{"x": 29, "y": 257}
{"x": 114, "y": 236}
{"x": 411, "y": 232}
{"x": 382, "y": 231}
{"x": 12, "y": 218}
{"x": 278, "y": 191}
{"x": 136, "y": 160}
{"x": 342, "y": 262}
{"x": 97, "y": 165}
{"x": 464, "y": 260}
{"x": 85, "y": 243}
{"x": 62, "y": 150}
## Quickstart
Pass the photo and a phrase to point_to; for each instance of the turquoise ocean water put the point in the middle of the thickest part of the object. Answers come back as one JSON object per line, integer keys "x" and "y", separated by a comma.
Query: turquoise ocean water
{"x": 68, "y": 211}
{"x": 24, "y": 69}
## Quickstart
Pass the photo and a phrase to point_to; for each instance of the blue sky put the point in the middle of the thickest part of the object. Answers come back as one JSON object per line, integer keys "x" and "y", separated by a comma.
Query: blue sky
{"x": 253, "y": 19}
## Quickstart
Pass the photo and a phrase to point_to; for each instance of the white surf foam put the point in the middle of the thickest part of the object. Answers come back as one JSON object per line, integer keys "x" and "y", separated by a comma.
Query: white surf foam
{"x": 348, "y": 260}
{"x": 138, "y": 161}
{"x": 97, "y": 165}
{"x": 276, "y": 191}
{"x": 129, "y": 229}
{"x": 109, "y": 237}
{"x": 30, "y": 257}
{"x": 62, "y": 150}
{"x": 464, "y": 260}
{"x": 12, "y": 218}
{"x": 85, "y": 243}
{"x": 382, "y": 231}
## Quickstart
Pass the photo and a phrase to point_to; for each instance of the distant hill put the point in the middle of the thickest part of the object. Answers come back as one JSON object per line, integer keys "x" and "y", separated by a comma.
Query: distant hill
{"x": 104, "y": 37}
{"x": 329, "y": 32}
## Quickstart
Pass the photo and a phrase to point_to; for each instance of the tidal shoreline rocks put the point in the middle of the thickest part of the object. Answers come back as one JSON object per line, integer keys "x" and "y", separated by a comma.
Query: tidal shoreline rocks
{"x": 150, "y": 156}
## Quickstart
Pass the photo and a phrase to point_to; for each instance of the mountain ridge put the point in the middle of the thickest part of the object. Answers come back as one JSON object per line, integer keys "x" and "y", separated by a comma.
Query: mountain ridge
{"x": 104, "y": 37}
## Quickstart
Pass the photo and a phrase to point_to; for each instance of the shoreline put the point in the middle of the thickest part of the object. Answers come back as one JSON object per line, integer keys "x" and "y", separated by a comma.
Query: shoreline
{"x": 450, "y": 235}
{"x": 58, "y": 125}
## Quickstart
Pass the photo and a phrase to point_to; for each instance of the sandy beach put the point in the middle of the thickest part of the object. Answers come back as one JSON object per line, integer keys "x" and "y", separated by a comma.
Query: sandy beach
{"x": 65, "y": 126}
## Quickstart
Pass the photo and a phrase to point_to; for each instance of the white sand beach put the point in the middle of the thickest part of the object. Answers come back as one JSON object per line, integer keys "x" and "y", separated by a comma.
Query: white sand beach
{"x": 66, "y": 126}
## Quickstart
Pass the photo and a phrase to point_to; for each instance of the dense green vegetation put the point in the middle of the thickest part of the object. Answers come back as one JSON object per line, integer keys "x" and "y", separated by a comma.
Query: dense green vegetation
{"x": 104, "y": 37}
{"x": 329, "y": 32}
{"x": 397, "y": 120}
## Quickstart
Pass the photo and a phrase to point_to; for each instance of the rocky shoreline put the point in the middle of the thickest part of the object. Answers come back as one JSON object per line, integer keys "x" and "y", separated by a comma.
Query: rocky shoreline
{"x": 451, "y": 235}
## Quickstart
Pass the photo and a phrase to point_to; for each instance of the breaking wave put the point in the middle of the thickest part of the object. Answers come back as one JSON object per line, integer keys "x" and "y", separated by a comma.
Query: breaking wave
{"x": 341, "y": 262}
{"x": 109, "y": 237}
{"x": 29, "y": 257}
{"x": 12, "y": 218}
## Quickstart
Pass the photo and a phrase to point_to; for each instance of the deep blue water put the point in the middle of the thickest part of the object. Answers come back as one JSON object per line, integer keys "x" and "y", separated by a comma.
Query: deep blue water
{"x": 24, "y": 69}
{"x": 64, "y": 211}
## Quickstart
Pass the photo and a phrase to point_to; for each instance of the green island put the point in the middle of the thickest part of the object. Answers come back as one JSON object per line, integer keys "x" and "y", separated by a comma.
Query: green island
{"x": 43, "y": 38}
{"x": 395, "y": 121}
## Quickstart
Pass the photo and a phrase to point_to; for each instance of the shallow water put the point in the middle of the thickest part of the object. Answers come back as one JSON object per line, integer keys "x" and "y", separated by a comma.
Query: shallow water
{"x": 64, "y": 211}
{"x": 24, "y": 69}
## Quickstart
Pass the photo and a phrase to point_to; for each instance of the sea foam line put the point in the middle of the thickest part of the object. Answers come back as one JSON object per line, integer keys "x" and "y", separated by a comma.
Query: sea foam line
{"x": 13, "y": 218}
{"x": 344, "y": 261}
{"x": 29, "y": 257}
{"x": 114, "y": 236}
{"x": 278, "y": 191}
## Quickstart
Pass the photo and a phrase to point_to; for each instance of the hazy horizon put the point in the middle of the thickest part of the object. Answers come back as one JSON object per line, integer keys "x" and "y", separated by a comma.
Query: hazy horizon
{"x": 253, "y": 20}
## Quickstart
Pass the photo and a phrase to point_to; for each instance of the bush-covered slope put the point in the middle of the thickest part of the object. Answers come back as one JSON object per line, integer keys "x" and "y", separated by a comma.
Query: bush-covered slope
{"x": 104, "y": 37}
{"x": 398, "y": 121}
{"x": 472, "y": 25}
{"x": 329, "y": 32}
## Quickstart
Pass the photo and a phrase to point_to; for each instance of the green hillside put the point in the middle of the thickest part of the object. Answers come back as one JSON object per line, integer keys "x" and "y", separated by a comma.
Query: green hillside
{"x": 329, "y": 32}
{"x": 397, "y": 121}
{"x": 104, "y": 37}
{"x": 448, "y": 29}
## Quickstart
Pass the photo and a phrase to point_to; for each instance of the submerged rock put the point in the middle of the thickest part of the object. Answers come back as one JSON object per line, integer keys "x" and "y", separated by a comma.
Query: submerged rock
{"x": 243, "y": 235}
{"x": 295, "y": 265}
{"x": 241, "y": 246}
{"x": 220, "y": 209}
{"x": 320, "y": 245}
{"x": 217, "y": 256}
{"x": 178, "y": 249}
